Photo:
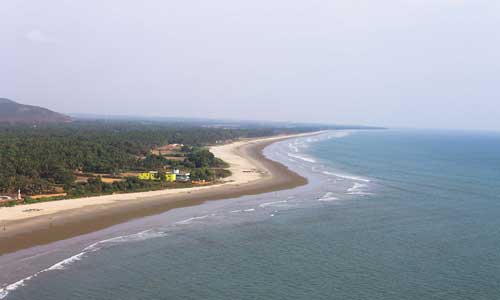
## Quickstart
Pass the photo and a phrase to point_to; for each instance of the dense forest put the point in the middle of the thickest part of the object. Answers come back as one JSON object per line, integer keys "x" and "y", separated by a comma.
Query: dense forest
{"x": 37, "y": 159}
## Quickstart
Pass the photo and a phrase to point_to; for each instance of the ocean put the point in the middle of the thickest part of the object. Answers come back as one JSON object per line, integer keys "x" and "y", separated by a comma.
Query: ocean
{"x": 388, "y": 214}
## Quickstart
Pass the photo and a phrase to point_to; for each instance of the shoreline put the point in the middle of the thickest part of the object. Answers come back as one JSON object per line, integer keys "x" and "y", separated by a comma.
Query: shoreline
{"x": 252, "y": 173}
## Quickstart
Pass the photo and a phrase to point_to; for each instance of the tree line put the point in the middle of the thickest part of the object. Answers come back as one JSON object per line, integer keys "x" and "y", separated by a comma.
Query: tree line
{"x": 37, "y": 159}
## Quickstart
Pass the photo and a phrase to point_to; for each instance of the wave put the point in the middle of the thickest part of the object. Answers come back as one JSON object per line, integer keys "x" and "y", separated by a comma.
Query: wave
{"x": 242, "y": 210}
{"x": 360, "y": 193}
{"x": 339, "y": 134}
{"x": 61, "y": 265}
{"x": 344, "y": 176}
{"x": 190, "y": 220}
{"x": 272, "y": 203}
{"x": 301, "y": 157}
{"x": 14, "y": 286}
{"x": 355, "y": 189}
{"x": 328, "y": 197}
{"x": 293, "y": 147}
{"x": 296, "y": 145}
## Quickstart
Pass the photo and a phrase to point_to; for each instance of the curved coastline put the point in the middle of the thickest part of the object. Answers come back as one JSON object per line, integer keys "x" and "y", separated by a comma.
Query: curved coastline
{"x": 33, "y": 231}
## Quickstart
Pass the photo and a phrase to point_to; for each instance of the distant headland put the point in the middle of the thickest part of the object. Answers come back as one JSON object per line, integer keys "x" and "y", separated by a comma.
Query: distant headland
{"x": 12, "y": 112}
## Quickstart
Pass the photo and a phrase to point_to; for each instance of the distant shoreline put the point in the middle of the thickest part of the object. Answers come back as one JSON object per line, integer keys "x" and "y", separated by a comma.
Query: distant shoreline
{"x": 253, "y": 173}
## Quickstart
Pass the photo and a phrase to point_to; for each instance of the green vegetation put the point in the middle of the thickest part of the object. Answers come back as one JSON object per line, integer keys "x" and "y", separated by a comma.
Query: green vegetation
{"x": 95, "y": 186}
{"x": 46, "y": 159}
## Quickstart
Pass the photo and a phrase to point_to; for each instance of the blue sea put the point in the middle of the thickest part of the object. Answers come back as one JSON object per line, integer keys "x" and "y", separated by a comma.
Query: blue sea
{"x": 388, "y": 214}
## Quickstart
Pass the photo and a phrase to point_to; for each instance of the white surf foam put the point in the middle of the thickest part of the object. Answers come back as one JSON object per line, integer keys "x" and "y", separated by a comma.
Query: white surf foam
{"x": 190, "y": 220}
{"x": 360, "y": 193}
{"x": 140, "y": 236}
{"x": 14, "y": 286}
{"x": 243, "y": 210}
{"x": 339, "y": 134}
{"x": 61, "y": 265}
{"x": 344, "y": 176}
{"x": 356, "y": 189}
{"x": 328, "y": 197}
{"x": 4, "y": 292}
{"x": 272, "y": 203}
{"x": 293, "y": 147}
{"x": 301, "y": 157}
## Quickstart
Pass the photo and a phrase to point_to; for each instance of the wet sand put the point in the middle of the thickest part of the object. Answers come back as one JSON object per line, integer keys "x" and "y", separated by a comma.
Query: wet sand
{"x": 264, "y": 176}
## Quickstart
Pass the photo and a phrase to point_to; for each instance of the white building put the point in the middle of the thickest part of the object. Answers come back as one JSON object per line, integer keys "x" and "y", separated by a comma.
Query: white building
{"x": 184, "y": 177}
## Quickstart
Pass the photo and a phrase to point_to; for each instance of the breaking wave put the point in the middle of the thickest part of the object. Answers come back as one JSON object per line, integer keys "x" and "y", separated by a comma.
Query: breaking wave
{"x": 301, "y": 157}
{"x": 328, "y": 197}
{"x": 344, "y": 176}
{"x": 190, "y": 220}
{"x": 272, "y": 203}
{"x": 356, "y": 189}
{"x": 61, "y": 265}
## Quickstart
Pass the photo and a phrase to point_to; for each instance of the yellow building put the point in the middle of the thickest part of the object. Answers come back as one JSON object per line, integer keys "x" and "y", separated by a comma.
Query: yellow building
{"x": 153, "y": 175}
{"x": 148, "y": 176}
{"x": 170, "y": 177}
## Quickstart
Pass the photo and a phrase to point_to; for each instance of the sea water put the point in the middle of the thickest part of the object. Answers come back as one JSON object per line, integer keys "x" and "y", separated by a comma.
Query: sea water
{"x": 389, "y": 214}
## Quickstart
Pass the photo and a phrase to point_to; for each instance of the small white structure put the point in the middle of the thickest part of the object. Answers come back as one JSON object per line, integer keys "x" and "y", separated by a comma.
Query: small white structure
{"x": 184, "y": 177}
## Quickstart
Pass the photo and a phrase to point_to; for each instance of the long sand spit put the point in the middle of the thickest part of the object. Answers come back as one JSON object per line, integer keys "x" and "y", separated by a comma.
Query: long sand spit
{"x": 25, "y": 226}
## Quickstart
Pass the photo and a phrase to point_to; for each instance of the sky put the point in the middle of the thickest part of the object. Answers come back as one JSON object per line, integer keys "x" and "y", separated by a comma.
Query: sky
{"x": 406, "y": 63}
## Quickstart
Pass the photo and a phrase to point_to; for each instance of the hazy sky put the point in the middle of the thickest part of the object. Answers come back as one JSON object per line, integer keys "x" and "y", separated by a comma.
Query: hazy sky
{"x": 412, "y": 63}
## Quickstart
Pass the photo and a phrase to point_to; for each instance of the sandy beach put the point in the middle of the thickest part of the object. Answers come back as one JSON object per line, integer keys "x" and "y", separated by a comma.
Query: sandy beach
{"x": 26, "y": 226}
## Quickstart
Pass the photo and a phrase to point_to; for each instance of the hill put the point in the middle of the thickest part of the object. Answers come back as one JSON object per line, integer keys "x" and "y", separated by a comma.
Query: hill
{"x": 13, "y": 112}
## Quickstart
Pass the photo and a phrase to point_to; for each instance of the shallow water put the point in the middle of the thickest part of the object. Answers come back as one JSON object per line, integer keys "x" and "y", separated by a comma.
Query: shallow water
{"x": 387, "y": 215}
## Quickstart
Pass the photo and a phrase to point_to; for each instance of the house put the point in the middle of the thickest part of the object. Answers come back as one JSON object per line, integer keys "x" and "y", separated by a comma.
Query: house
{"x": 151, "y": 175}
{"x": 170, "y": 177}
{"x": 181, "y": 177}
{"x": 184, "y": 177}
{"x": 154, "y": 175}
